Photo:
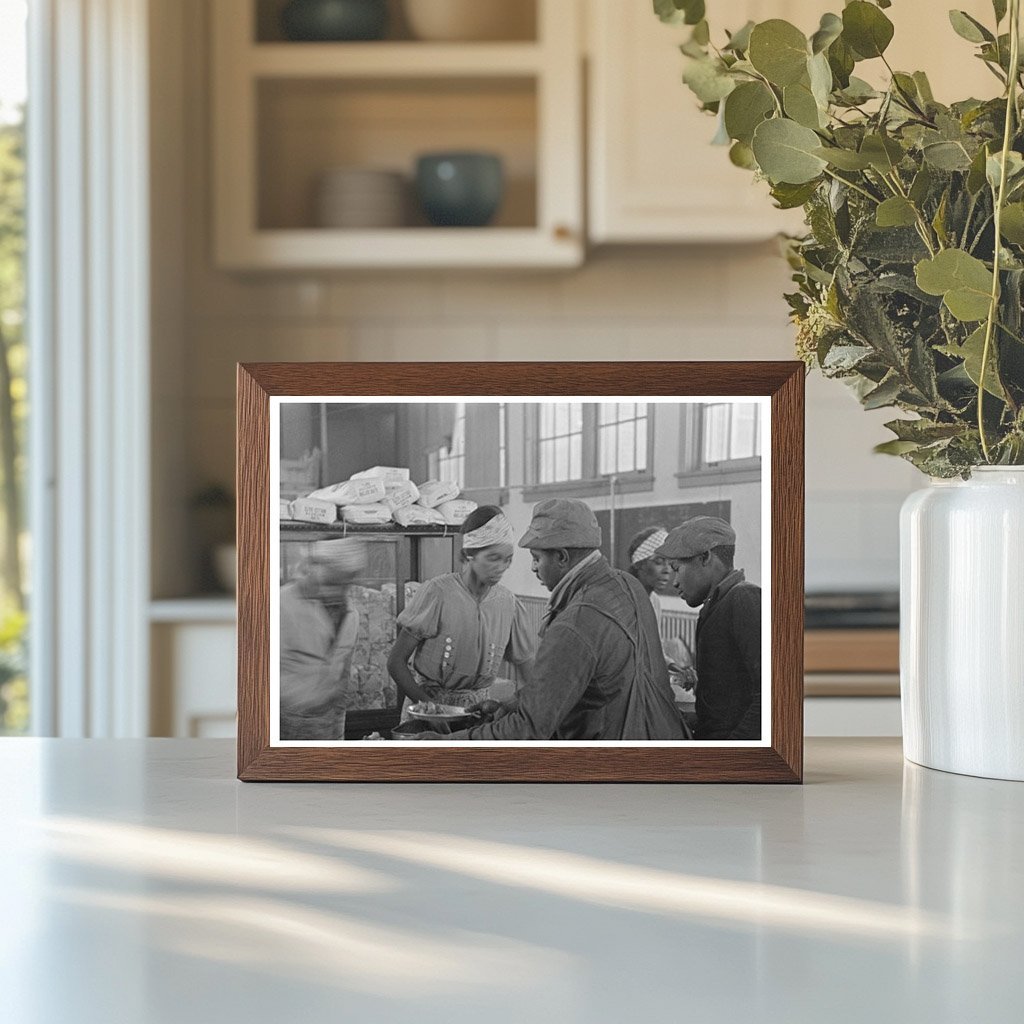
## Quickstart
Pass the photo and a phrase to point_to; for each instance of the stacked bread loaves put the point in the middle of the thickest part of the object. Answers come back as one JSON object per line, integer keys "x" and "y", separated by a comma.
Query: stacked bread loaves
{"x": 381, "y": 495}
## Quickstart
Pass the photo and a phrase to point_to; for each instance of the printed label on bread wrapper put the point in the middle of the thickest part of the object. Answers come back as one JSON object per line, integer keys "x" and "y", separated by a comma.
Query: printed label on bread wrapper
{"x": 370, "y": 491}
{"x": 417, "y": 515}
{"x": 455, "y": 512}
{"x": 366, "y": 515}
{"x": 313, "y": 510}
{"x": 389, "y": 474}
{"x": 434, "y": 492}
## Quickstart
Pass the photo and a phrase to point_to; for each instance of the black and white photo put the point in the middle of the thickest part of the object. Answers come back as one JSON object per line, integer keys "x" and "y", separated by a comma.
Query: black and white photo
{"x": 541, "y": 571}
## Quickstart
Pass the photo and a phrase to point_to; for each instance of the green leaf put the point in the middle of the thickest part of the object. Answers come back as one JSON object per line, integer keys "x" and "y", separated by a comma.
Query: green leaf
{"x": 866, "y": 29}
{"x": 785, "y": 152}
{"x": 994, "y": 167}
{"x": 968, "y": 28}
{"x": 883, "y": 153}
{"x": 800, "y": 105}
{"x": 885, "y": 394}
{"x": 971, "y": 352}
{"x": 946, "y": 156}
{"x": 1012, "y": 224}
{"x": 676, "y": 12}
{"x": 778, "y": 50}
{"x": 841, "y": 60}
{"x": 830, "y": 29}
{"x": 963, "y": 281}
{"x": 844, "y": 159}
{"x": 895, "y": 447}
{"x": 707, "y": 80}
{"x": 939, "y": 220}
{"x": 745, "y": 108}
{"x": 742, "y": 155}
{"x": 896, "y": 212}
{"x": 739, "y": 41}
{"x": 924, "y": 88}
{"x": 976, "y": 175}
{"x": 921, "y": 186}
{"x": 820, "y": 75}
{"x": 789, "y": 197}
{"x": 858, "y": 91}
{"x": 999, "y": 7}
{"x": 701, "y": 33}
{"x": 923, "y": 431}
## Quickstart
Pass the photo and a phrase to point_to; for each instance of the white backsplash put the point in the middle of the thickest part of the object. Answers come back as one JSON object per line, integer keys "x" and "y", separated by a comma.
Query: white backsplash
{"x": 703, "y": 303}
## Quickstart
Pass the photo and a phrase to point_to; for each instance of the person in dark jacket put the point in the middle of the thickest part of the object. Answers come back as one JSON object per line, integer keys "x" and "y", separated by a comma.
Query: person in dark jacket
{"x": 728, "y": 640}
{"x": 599, "y": 672}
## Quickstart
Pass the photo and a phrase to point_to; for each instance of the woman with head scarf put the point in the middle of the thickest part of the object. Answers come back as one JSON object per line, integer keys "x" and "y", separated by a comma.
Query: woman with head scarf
{"x": 459, "y": 627}
{"x": 655, "y": 574}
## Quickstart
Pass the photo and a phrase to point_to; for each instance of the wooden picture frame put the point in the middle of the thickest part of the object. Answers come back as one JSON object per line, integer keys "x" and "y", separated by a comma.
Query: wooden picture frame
{"x": 779, "y": 758}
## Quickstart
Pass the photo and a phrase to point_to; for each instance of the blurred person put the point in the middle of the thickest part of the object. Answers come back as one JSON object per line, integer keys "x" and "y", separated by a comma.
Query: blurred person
{"x": 458, "y": 628}
{"x": 599, "y": 673}
{"x": 317, "y": 638}
{"x": 728, "y": 642}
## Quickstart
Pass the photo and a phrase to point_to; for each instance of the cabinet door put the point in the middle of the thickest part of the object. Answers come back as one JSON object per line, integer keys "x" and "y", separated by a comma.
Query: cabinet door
{"x": 654, "y": 175}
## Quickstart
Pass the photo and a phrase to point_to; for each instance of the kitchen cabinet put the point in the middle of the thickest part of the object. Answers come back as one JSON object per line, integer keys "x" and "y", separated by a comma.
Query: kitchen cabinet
{"x": 286, "y": 113}
{"x": 653, "y": 174}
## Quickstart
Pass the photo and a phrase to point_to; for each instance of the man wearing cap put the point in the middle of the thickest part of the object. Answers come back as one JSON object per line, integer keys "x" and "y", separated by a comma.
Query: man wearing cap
{"x": 728, "y": 641}
{"x": 318, "y": 635}
{"x": 599, "y": 672}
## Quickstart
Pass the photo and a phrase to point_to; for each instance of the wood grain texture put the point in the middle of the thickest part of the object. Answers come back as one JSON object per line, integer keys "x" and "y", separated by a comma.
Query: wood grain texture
{"x": 852, "y": 650}
{"x": 782, "y": 762}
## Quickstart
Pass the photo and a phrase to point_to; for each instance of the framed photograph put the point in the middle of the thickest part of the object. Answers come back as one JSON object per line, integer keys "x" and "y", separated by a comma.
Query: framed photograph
{"x": 520, "y": 572}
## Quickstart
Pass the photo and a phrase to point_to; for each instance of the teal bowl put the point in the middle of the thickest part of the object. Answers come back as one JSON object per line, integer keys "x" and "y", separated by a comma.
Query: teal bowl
{"x": 461, "y": 190}
{"x": 333, "y": 21}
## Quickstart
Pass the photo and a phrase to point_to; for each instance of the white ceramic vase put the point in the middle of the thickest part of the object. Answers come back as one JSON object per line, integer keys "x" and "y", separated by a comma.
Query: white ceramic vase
{"x": 962, "y": 624}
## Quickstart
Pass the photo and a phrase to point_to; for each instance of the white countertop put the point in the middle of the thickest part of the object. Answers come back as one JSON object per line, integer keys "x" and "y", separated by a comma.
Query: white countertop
{"x": 143, "y": 884}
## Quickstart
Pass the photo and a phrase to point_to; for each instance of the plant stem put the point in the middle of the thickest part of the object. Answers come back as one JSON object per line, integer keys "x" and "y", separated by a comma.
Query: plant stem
{"x": 993, "y": 309}
{"x": 922, "y": 225}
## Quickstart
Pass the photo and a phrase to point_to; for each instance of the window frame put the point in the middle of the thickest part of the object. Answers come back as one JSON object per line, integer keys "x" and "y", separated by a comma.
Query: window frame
{"x": 694, "y": 471}
{"x": 592, "y": 483}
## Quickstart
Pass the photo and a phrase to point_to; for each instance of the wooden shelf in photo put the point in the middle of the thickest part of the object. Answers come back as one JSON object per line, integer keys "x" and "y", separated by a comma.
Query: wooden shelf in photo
{"x": 393, "y": 60}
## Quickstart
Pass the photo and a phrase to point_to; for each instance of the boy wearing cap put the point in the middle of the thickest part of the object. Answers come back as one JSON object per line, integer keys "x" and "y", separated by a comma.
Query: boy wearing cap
{"x": 599, "y": 672}
{"x": 318, "y": 636}
{"x": 728, "y": 640}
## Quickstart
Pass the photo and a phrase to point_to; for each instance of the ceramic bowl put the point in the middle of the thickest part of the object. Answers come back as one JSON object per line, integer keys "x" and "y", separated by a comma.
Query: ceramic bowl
{"x": 334, "y": 20}
{"x": 460, "y": 189}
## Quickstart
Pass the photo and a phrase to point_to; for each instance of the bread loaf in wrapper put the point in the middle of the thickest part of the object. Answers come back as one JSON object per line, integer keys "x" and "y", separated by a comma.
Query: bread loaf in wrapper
{"x": 401, "y": 494}
{"x": 455, "y": 512}
{"x": 314, "y": 510}
{"x": 366, "y": 515}
{"x": 370, "y": 491}
{"x": 434, "y": 492}
{"x": 389, "y": 474}
{"x": 417, "y": 515}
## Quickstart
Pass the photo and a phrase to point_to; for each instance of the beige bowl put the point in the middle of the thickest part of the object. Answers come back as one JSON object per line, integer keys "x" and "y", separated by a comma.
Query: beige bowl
{"x": 471, "y": 20}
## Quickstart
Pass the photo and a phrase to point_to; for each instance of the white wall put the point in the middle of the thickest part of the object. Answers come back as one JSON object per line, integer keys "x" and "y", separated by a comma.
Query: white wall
{"x": 711, "y": 302}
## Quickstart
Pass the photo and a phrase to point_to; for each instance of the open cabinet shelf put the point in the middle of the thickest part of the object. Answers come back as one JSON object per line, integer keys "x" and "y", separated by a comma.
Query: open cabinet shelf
{"x": 287, "y": 114}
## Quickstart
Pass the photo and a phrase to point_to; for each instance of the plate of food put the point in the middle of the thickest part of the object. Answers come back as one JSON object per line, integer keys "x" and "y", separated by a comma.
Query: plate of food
{"x": 429, "y": 711}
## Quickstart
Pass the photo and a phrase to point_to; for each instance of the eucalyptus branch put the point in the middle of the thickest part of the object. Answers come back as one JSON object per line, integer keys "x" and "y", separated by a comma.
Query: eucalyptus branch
{"x": 993, "y": 308}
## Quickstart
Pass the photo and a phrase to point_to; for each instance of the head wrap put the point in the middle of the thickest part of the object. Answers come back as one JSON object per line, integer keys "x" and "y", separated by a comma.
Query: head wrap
{"x": 345, "y": 557}
{"x": 649, "y": 546}
{"x": 495, "y": 531}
